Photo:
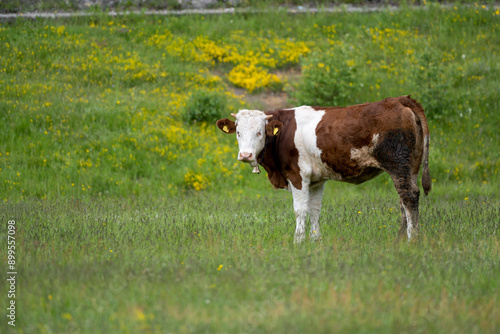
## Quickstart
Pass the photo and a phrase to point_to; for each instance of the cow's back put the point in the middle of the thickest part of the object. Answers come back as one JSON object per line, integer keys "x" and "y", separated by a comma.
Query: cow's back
{"x": 348, "y": 136}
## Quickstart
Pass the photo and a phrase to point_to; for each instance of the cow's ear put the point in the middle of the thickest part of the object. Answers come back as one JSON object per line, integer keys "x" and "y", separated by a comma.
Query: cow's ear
{"x": 273, "y": 128}
{"x": 226, "y": 125}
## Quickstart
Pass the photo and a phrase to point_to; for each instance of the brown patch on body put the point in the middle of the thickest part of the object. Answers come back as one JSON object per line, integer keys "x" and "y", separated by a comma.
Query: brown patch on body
{"x": 280, "y": 157}
{"x": 348, "y": 136}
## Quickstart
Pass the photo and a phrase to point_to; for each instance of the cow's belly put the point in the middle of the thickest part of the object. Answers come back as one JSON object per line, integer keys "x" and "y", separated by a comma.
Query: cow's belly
{"x": 366, "y": 175}
{"x": 320, "y": 171}
{"x": 355, "y": 166}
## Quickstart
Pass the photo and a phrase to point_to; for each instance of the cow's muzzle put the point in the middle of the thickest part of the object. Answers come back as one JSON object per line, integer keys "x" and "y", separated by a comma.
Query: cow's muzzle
{"x": 245, "y": 157}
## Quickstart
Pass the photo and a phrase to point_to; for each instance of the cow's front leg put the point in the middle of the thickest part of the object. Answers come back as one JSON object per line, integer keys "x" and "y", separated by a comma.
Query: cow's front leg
{"x": 300, "y": 206}
{"x": 315, "y": 196}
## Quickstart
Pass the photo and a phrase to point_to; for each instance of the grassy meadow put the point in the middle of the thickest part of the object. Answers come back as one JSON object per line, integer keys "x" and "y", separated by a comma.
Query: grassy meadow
{"x": 133, "y": 215}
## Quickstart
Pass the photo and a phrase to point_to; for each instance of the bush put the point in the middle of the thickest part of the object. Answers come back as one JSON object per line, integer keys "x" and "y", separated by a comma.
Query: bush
{"x": 205, "y": 106}
{"x": 328, "y": 79}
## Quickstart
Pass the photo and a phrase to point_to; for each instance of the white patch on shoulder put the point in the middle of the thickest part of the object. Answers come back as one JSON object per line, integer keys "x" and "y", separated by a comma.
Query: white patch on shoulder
{"x": 312, "y": 169}
{"x": 364, "y": 155}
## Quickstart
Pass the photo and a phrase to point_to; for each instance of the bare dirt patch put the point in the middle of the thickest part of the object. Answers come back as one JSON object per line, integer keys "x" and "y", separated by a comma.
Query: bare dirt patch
{"x": 268, "y": 101}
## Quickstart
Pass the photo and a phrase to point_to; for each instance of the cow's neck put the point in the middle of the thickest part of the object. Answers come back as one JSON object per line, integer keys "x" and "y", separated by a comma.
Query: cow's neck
{"x": 260, "y": 157}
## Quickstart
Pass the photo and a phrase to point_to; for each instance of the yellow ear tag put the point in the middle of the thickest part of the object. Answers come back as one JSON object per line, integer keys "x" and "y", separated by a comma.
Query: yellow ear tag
{"x": 275, "y": 131}
{"x": 225, "y": 129}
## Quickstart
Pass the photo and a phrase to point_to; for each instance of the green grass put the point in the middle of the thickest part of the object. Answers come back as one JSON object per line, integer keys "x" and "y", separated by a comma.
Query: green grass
{"x": 214, "y": 264}
{"x": 131, "y": 217}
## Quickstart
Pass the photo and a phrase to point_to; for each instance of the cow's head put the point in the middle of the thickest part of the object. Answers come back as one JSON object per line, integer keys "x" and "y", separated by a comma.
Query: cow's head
{"x": 251, "y": 127}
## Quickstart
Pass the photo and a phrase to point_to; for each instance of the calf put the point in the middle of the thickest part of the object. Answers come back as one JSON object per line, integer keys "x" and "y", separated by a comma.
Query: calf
{"x": 302, "y": 148}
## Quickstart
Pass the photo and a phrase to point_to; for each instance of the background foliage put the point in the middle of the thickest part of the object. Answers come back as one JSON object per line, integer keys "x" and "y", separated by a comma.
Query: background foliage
{"x": 105, "y": 106}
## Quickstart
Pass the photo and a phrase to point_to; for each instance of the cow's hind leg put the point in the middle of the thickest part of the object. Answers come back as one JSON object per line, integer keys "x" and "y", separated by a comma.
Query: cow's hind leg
{"x": 315, "y": 196}
{"x": 409, "y": 194}
{"x": 403, "y": 227}
{"x": 396, "y": 155}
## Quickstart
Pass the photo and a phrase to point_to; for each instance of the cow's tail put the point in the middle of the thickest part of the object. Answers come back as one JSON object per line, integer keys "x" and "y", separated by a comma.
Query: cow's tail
{"x": 419, "y": 112}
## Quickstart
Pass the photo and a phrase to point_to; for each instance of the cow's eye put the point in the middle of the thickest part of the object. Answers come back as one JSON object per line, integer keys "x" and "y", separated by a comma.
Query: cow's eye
{"x": 238, "y": 133}
{"x": 259, "y": 134}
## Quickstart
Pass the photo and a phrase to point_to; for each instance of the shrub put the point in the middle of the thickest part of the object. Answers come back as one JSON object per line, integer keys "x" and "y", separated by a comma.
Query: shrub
{"x": 328, "y": 79}
{"x": 205, "y": 106}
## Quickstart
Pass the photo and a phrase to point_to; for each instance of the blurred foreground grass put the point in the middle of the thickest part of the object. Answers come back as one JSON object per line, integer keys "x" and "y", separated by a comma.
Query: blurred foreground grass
{"x": 208, "y": 263}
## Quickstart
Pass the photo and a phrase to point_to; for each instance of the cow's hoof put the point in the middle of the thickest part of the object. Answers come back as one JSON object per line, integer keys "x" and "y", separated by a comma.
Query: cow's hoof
{"x": 315, "y": 237}
{"x": 299, "y": 238}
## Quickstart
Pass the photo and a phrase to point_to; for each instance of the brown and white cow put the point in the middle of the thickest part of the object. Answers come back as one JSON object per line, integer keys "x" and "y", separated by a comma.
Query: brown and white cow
{"x": 302, "y": 148}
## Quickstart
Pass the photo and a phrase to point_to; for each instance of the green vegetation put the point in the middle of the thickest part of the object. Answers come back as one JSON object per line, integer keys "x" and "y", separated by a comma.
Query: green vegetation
{"x": 132, "y": 217}
{"x": 219, "y": 265}
{"x": 100, "y": 103}
{"x": 205, "y": 106}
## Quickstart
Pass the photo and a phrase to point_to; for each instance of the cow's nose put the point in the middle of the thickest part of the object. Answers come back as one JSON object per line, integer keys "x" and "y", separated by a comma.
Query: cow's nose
{"x": 245, "y": 156}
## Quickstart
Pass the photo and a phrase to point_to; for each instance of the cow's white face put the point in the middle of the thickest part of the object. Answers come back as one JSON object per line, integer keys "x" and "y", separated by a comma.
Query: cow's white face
{"x": 251, "y": 134}
{"x": 251, "y": 127}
